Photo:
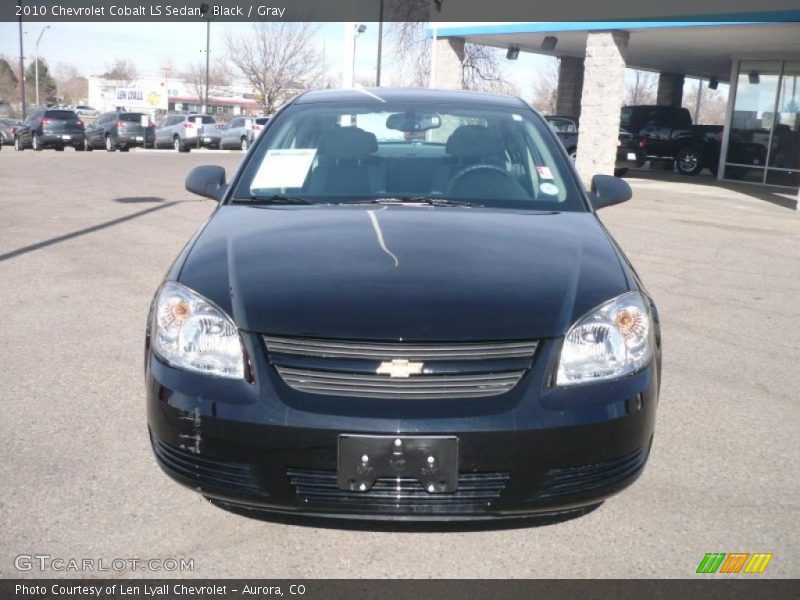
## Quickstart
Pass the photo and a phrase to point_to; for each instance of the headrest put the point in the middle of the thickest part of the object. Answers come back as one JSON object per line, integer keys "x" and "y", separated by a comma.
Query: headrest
{"x": 349, "y": 143}
{"x": 474, "y": 141}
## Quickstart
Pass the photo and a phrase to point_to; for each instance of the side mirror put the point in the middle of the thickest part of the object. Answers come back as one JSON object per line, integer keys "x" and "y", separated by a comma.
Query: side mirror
{"x": 207, "y": 181}
{"x": 608, "y": 190}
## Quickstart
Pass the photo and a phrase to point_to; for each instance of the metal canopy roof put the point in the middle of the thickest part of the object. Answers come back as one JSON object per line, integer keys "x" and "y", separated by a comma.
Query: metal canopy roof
{"x": 695, "y": 49}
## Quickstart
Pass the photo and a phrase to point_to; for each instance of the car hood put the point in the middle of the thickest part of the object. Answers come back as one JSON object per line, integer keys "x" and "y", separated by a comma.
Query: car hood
{"x": 403, "y": 272}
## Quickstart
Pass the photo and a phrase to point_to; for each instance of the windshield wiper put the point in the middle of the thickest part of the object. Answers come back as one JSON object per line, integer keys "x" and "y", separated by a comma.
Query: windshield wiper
{"x": 419, "y": 200}
{"x": 282, "y": 199}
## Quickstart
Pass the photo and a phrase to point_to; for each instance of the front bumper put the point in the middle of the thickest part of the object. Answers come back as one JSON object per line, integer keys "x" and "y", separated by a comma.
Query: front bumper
{"x": 530, "y": 451}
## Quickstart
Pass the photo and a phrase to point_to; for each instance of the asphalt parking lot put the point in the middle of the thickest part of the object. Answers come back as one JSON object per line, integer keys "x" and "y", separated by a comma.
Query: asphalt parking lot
{"x": 86, "y": 238}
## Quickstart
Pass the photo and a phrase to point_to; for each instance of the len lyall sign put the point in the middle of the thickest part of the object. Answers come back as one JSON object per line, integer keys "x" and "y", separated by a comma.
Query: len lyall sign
{"x": 140, "y": 98}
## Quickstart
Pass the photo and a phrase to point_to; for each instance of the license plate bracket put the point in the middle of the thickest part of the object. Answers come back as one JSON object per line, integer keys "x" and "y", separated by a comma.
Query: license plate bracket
{"x": 432, "y": 460}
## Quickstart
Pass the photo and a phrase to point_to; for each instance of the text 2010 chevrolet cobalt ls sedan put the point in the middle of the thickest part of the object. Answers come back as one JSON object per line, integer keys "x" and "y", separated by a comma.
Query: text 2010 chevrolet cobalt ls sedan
{"x": 404, "y": 307}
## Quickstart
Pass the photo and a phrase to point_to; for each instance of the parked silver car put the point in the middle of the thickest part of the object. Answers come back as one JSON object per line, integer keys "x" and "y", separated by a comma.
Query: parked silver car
{"x": 240, "y": 132}
{"x": 184, "y": 132}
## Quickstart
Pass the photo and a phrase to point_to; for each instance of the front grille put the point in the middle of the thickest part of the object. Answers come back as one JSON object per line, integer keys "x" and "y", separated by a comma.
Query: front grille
{"x": 359, "y": 369}
{"x": 380, "y": 386}
{"x": 206, "y": 472}
{"x": 476, "y": 492}
{"x": 388, "y": 351}
{"x": 587, "y": 478}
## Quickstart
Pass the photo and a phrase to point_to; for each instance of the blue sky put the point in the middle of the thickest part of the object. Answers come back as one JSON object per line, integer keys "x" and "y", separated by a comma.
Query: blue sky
{"x": 92, "y": 46}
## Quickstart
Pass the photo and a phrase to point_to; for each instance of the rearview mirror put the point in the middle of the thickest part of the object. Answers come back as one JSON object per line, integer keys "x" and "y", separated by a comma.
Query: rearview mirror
{"x": 410, "y": 121}
{"x": 207, "y": 181}
{"x": 608, "y": 190}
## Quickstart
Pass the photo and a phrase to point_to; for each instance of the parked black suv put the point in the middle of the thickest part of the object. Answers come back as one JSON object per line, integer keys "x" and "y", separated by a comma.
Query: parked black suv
{"x": 120, "y": 131}
{"x": 50, "y": 128}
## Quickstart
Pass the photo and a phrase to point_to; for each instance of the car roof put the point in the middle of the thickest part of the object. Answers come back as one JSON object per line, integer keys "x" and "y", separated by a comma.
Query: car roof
{"x": 410, "y": 95}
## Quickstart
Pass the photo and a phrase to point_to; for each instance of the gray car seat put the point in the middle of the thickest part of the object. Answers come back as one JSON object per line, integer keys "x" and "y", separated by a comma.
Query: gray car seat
{"x": 346, "y": 165}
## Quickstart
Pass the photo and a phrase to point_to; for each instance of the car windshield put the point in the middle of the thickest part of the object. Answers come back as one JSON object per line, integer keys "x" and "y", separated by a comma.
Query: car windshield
{"x": 475, "y": 155}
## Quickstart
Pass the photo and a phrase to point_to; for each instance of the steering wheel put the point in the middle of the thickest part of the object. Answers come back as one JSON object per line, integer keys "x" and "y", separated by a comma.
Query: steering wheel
{"x": 502, "y": 184}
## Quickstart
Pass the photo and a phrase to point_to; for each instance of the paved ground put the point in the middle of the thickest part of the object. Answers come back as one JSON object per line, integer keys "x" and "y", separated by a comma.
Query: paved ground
{"x": 85, "y": 240}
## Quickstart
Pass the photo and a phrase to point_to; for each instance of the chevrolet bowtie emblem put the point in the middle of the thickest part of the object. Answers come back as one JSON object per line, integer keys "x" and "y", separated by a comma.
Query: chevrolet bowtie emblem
{"x": 400, "y": 367}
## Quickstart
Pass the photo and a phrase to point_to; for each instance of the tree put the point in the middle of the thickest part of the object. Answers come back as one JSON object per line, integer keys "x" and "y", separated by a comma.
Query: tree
{"x": 47, "y": 85}
{"x": 277, "y": 58}
{"x": 9, "y": 81}
{"x": 545, "y": 89}
{"x": 72, "y": 86}
{"x": 121, "y": 73}
{"x": 218, "y": 77}
{"x": 641, "y": 87}
{"x": 713, "y": 104}
{"x": 411, "y": 47}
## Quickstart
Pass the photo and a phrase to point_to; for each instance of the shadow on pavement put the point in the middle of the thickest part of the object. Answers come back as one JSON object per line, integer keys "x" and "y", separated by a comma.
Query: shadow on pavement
{"x": 377, "y": 525}
{"x": 85, "y": 231}
{"x": 783, "y": 197}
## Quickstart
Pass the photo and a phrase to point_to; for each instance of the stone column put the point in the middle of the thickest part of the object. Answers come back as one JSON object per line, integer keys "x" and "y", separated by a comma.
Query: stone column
{"x": 601, "y": 101}
{"x": 449, "y": 63}
{"x": 570, "y": 86}
{"x": 670, "y": 89}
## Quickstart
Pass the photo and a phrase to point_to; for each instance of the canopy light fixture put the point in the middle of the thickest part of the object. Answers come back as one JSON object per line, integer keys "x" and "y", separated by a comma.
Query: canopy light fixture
{"x": 549, "y": 43}
{"x": 713, "y": 83}
{"x": 753, "y": 77}
{"x": 513, "y": 53}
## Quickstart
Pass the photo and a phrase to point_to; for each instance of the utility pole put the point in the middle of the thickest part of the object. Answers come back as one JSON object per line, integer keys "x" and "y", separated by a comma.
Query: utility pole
{"x": 21, "y": 63}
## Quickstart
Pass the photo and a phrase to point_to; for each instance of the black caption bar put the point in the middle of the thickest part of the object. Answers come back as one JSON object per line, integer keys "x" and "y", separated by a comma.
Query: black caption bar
{"x": 368, "y": 589}
{"x": 612, "y": 11}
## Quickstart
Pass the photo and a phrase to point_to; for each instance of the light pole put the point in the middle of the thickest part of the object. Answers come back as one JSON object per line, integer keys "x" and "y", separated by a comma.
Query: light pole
{"x": 36, "y": 65}
{"x": 380, "y": 45}
{"x": 21, "y": 63}
{"x": 204, "y": 11}
{"x": 359, "y": 29}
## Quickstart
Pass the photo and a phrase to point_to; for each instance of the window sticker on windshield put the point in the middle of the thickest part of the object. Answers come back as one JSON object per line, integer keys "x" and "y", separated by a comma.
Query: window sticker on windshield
{"x": 284, "y": 168}
{"x": 549, "y": 189}
{"x": 544, "y": 172}
{"x": 516, "y": 117}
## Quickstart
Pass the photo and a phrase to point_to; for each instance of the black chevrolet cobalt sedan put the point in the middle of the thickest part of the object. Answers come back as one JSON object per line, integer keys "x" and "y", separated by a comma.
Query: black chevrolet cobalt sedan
{"x": 404, "y": 307}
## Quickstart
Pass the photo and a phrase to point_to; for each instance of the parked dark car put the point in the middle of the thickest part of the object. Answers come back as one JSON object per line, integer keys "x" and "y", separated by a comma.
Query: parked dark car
{"x": 373, "y": 324}
{"x": 8, "y": 128}
{"x": 566, "y": 129}
{"x": 50, "y": 128}
{"x": 120, "y": 131}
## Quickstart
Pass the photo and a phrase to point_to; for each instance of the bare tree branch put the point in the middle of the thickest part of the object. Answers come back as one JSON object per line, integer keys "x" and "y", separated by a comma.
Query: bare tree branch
{"x": 277, "y": 58}
{"x": 218, "y": 77}
{"x": 121, "y": 72}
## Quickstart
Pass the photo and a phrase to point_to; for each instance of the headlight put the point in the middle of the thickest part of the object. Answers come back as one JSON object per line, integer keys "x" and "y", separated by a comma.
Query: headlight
{"x": 613, "y": 340}
{"x": 190, "y": 332}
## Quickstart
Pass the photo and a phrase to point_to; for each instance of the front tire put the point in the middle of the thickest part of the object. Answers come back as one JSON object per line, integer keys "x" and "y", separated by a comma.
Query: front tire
{"x": 36, "y": 144}
{"x": 110, "y": 147}
{"x": 18, "y": 144}
{"x": 688, "y": 162}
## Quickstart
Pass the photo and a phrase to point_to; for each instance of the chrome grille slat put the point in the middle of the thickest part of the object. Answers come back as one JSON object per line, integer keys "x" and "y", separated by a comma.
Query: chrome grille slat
{"x": 388, "y": 351}
{"x": 337, "y": 368}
